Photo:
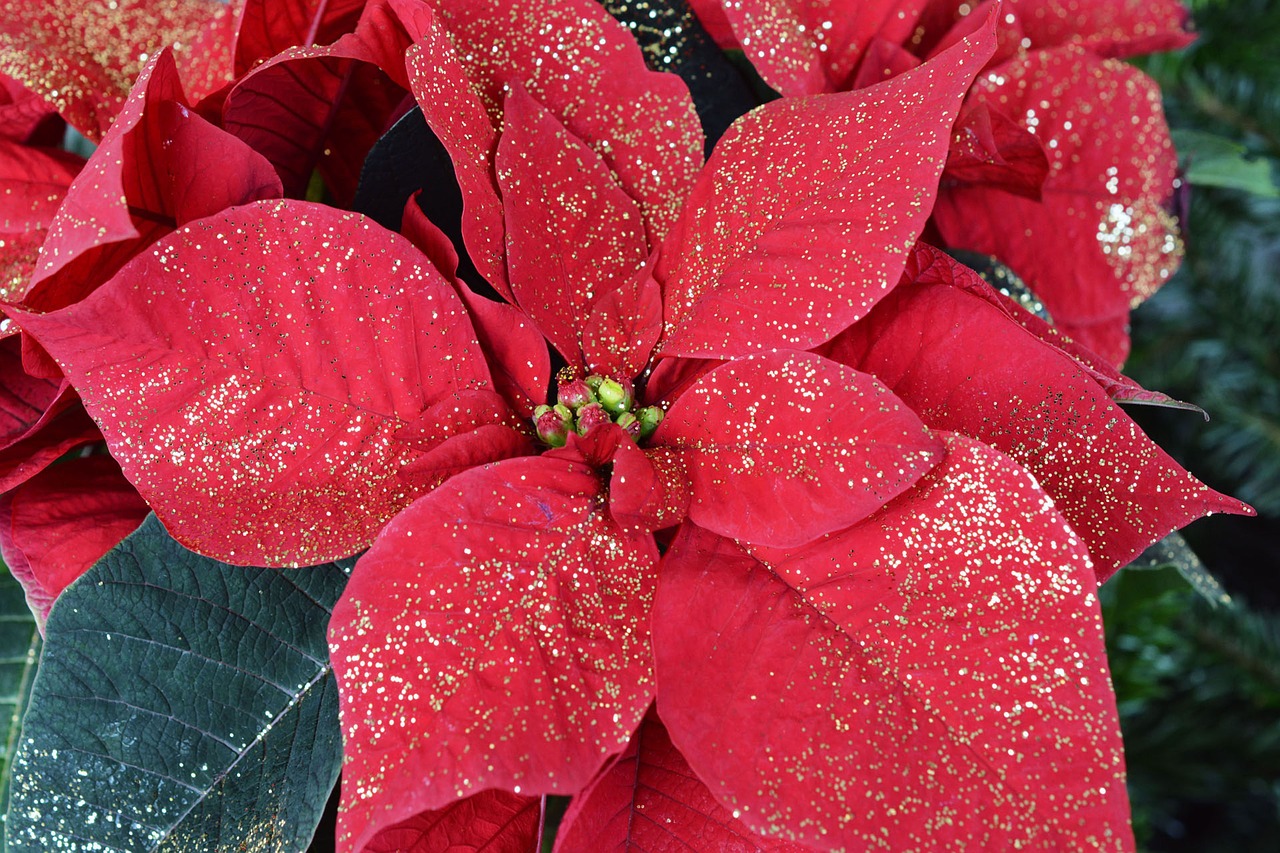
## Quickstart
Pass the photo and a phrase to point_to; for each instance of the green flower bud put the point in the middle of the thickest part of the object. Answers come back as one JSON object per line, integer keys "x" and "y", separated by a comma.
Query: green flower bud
{"x": 552, "y": 429}
{"x": 592, "y": 415}
{"x": 615, "y": 397}
{"x": 630, "y": 423}
{"x": 575, "y": 394}
{"x": 649, "y": 418}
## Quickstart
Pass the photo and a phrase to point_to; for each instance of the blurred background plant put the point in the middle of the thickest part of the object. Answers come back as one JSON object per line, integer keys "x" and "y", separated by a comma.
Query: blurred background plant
{"x": 1198, "y": 681}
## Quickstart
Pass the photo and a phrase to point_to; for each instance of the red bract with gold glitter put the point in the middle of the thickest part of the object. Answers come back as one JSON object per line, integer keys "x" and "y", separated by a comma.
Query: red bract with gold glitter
{"x": 83, "y": 58}
{"x": 1061, "y": 166}
{"x": 738, "y": 513}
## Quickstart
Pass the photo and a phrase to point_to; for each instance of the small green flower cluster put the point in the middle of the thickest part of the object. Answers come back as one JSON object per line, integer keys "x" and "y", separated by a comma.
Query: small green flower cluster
{"x": 585, "y": 403}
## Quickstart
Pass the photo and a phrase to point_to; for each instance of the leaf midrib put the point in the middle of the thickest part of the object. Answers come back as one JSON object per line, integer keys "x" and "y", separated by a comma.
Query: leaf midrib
{"x": 218, "y": 779}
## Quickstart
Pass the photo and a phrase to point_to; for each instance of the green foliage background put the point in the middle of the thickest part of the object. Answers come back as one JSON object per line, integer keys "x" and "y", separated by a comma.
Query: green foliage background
{"x": 1198, "y": 685}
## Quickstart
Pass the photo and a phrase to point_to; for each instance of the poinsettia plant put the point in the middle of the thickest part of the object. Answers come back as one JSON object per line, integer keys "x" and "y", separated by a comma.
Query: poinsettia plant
{"x": 490, "y": 403}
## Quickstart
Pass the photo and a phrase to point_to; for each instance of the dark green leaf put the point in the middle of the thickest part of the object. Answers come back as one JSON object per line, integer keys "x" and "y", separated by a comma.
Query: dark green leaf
{"x": 1002, "y": 279}
{"x": 1174, "y": 551}
{"x": 407, "y": 158}
{"x": 1201, "y": 144}
{"x": 19, "y": 650}
{"x": 673, "y": 40}
{"x": 181, "y": 704}
{"x": 1215, "y": 161}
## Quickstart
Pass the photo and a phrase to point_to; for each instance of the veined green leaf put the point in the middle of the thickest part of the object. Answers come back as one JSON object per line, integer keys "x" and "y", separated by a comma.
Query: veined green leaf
{"x": 181, "y": 704}
{"x": 19, "y": 650}
{"x": 1174, "y": 551}
{"x": 1215, "y": 161}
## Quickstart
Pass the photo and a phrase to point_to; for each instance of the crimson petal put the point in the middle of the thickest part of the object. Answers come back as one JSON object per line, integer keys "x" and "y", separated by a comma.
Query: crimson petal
{"x": 269, "y": 27}
{"x": 648, "y": 799}
{"x": 288, "y": 108}
{"x": 623, "y": 328}
{"x": 963, "y": 364}
{"x": 150, "y": 175}
{"x": 27, "y": 118}
{"x": 711, "y": 15}
{"x": 649, "y": 489}
{"x": 65, "y": 426}
{"x": 514, "y": 348}
{"x": 573, "y": 235}
{"x": 785, "y": 447}
{"x": 1117, "y": 28}
{"x": 805, "y": 48}
{"x": 33, "y": 182}
{"x": 1100, "y": 240}
{"x": 883, "y": 59}
{"x": 495, "y": 636}
{"x": 456, "y": 115}
{"x": 588, "y": 72}
{"x": 1119, "y": 387}
{"x": 460, "y": 432}
{"x": 804, "y": 215}
{"x": 83, "y": 57}
{"x": 24, "y": 399}
{"x": 201, "y": 360}
{"x": 989, "y": 148}
{"x": 324, "y": 108}
{"x": 487, "y": 822}
{"x": 40, "y": 418}
{"x": 59, "y": 523}
{"x": 918, "y": 681}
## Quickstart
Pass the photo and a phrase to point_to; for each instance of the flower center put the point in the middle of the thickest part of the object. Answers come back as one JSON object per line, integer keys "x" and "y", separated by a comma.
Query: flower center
{"x": 582, "y": 404}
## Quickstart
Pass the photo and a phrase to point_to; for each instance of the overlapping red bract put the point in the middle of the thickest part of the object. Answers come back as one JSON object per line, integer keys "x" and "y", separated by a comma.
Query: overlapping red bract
{"x": 807, "y": 47}
{"x": 513, "y": 346}
{"x": 288, "y": 109}
{"x": 914, "y": 681}
{"x": 40, "y": 418}
{"x": 244, "y": 416}
{"x": 588, "y": 72}
{"x": 574, "y": 236}
{"x": 785, "y": 447}
{"x": 1099, "y": 238}
{"x": 487, "y": 822}
{"x": 26, "y": 117}
{"x": 990, "y": 149}
{"x": 1056, "y": 137}
{"x": 623, "y": 327}
{"x": 147, "y": 177}
{"x": 33, "y": 181}
{"x": 310, "y": 108}
{"x": 533, "y": 638}
{"x": 863, "y": 628}
{"x": 649, "y": 799}
{"x": 83, "y": 58}
{"x": 59, "y": 523}
{"x": 1114, "y": 485}
{"x": 270, "y": 27}
{"x": 803, "y": 48}
{"x": 772, "y": 248}
{"x": 1116, "y": 28}
{"x": 34, "y": 176}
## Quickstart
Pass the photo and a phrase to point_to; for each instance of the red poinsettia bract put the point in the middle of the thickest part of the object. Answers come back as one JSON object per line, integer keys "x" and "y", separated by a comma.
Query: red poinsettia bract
{"x": 789, "y": 542}
{"x": 1061, "y": 167}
